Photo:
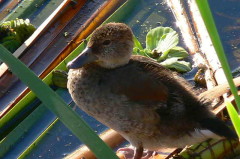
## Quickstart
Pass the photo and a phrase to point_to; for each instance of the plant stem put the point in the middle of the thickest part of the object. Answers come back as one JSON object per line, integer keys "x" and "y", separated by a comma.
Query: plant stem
{"x": 213, "y": 33}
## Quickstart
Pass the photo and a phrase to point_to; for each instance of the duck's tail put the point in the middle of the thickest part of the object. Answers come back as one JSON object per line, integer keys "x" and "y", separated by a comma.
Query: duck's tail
{"x": 218, "y": 127}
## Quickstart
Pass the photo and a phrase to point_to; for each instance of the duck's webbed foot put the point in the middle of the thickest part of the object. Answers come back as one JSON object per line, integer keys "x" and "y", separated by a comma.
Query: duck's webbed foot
{"x": 137, "y": 153}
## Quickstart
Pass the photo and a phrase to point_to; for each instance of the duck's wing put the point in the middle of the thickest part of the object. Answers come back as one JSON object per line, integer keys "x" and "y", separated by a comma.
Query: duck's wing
{"x": 145, "y": 81}
{"x": 151, "y": 89}
{"x": 139, "y": 82}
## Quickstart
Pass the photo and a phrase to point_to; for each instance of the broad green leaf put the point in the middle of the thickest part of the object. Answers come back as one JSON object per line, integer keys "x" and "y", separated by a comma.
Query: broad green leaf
{"x": 137, "y": 43}
{"x": 153, "y": 36}
{"x": 178, "y": 52}
{"x": 11, "y": 42}
{"x": 169, "y": 61}
{"x": 234, "y": 117}
{"x": 15, "y": 32}
{"x": 166, "y": 43}
{"x": 147, "y": 52}
{"x": 173, "y": 63}
{"x": 136, "y": 51}
{"x": 161, "y": 45}
{"x": 143, "y": 52}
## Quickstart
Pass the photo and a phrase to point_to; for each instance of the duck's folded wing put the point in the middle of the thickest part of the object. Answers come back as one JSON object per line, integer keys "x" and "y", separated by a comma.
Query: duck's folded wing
{"x": 139, "y": 84}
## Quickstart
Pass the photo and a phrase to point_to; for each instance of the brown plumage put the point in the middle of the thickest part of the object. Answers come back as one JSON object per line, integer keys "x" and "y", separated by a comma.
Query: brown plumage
{"x": 149, "y": 105}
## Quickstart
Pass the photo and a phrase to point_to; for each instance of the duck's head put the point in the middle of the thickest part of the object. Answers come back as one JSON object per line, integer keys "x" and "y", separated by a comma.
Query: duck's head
{"x": 110, "y": 46}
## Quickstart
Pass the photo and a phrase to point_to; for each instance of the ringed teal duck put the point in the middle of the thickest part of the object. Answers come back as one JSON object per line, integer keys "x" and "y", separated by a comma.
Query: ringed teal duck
{"x": 149, "y": 105}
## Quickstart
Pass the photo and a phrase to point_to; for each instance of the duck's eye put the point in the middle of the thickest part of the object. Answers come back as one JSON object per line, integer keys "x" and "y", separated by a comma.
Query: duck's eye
{"x": 106, "y": 42}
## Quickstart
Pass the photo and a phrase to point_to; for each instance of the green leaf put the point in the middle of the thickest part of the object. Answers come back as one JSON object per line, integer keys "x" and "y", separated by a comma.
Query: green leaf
{"x": 234, "y": 117}
{"x": 178, "y": 52}
{"x": 17, "y": 31}
{"x": 207, "y": 17}
{"x": 143, "y": 52}
{"x": 136, "y": 51}
{"x": 59, "y": 78}
{"x": 147, "y": 52}
{"x": 137, "y": 44}
{"x": 153, "y": 36}
{"x": 161, "y": 44}
{"x": 11, "y": 43}
{"x": 173, "y": 63}
{"x": 161, "y": 40}
{"x": 57, "y": 105}
{"x": 166, "y": 43}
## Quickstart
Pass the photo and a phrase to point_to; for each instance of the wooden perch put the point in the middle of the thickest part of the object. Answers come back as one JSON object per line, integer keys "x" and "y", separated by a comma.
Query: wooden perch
{"x": 218, "y": 90}
{"x": 110, "y": 137}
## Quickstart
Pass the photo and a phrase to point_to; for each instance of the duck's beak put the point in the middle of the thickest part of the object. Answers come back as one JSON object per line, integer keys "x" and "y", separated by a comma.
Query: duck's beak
{"x": 84, "y": 58}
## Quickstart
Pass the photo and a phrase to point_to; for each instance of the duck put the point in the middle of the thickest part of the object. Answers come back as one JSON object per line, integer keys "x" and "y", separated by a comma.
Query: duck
{"x": 151, "y": 106}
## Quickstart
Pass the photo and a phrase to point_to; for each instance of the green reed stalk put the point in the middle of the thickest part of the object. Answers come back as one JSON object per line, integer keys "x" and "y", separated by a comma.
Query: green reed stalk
{"x": 57, "y": 105}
